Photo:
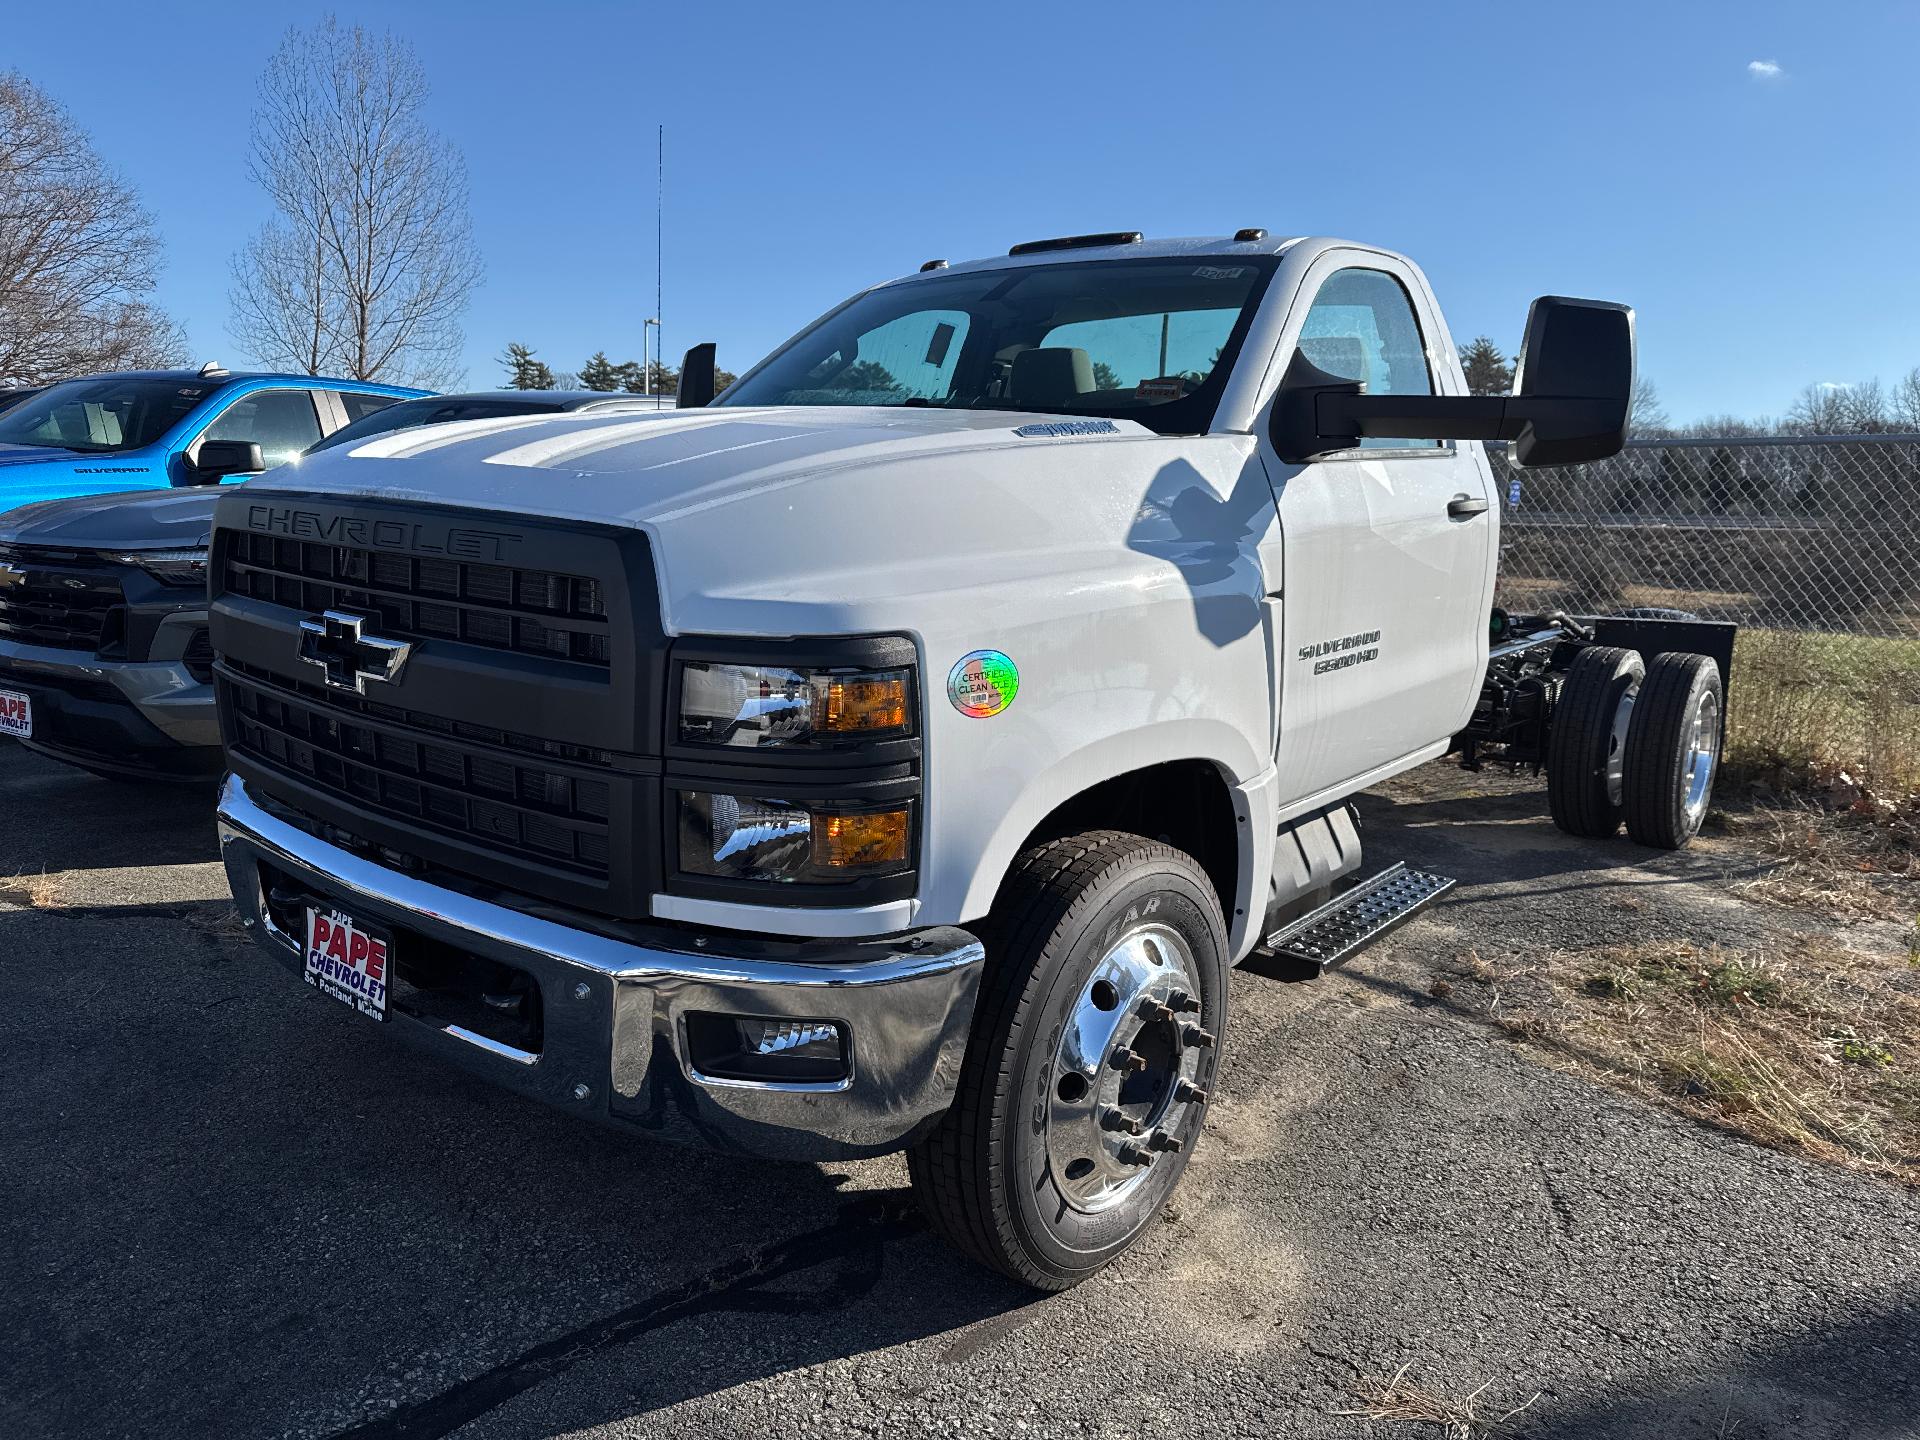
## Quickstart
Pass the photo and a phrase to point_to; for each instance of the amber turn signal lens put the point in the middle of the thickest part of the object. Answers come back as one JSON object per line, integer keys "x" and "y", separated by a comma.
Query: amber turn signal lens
{"x": 855, "y": 842}
{"x": 860, "y": 704}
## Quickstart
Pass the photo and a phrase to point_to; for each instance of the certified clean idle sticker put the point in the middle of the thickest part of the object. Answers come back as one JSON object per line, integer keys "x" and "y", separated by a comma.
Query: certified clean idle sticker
{"x": 983, "y": 683}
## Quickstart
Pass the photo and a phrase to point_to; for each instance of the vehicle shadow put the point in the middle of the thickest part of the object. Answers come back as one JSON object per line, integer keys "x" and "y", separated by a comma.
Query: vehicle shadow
{"x": 236, "y": 1179}
{"x": 1852, "y": 1379}
{"x": 84, "y": 822}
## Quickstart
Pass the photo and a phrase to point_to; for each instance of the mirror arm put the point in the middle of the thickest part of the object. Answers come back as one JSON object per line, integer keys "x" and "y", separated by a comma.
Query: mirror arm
{"x": 1455, "y": 417}
{"x": 1417, "y": 417}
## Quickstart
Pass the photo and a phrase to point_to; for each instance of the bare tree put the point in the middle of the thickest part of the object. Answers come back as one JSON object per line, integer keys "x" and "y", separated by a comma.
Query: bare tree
{"x": 77, "y": 253}
{"x": 1866, "y": 408}
{"x": 1906, "y": 402}
{"x": 1819, "y": 410}
{"x": 1646, "y": 416}
{"x": 370, "y": 262}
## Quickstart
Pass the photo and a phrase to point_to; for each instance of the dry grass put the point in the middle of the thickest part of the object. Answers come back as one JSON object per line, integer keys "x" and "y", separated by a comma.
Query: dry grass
{"x": 1401, "y": 1399}
{"x": 1813, "y": 1048}
{"x": 1804, "y": 708}
{"x": 1835, "y": 862}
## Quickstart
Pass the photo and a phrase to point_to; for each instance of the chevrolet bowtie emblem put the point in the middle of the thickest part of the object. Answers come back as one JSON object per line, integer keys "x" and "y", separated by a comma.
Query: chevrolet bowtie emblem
{"x": 336, "y": 642}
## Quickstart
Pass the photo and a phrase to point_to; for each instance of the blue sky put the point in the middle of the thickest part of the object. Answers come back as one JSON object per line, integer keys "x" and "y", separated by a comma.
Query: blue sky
{"x": 1764, "y": 223}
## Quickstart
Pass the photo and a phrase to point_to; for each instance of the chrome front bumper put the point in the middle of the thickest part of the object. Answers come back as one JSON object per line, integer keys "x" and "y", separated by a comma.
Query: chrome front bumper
{"x": 614, "y": 1039}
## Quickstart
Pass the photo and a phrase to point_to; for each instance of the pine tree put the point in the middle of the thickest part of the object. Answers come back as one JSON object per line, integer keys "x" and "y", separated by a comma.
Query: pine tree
{"x": 523, "y": 371}
{"x": 1105, "y": 378}
{"x": 1487, "y": 370}
{"x": 599, "y": 373}
{"x": 666, "y": 381}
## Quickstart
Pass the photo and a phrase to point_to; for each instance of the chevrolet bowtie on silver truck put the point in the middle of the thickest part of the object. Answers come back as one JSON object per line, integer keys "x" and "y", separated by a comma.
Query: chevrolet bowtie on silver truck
{"x": 898, "y": 752}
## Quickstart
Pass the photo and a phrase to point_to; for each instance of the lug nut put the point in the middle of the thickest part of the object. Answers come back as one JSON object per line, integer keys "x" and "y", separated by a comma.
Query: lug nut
{"x": 1194, "y": 1035}
{"x": 1181, "y": 1000}
{"x": 1125, "y": 1059}
{"x": 1152, "y": 1010}
{"x": 1131, "y": 1154}
{"x": 1161, "y": 1140}
{"x": 1117, "y": 1120}
{"x": 1188, "y": 1093}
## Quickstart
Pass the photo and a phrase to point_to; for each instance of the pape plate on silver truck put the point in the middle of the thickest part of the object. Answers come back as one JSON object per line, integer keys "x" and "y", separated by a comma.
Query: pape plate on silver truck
{"x": 347, "y": 959}
{"x": 16, "y": 714}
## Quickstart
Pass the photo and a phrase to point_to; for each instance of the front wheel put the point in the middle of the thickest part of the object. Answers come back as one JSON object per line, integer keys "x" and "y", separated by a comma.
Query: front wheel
{"x": 1092, "y": 1054}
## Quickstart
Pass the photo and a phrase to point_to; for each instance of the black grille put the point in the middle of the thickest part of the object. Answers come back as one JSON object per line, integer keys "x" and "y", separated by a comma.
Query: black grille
{"x": 58, "y": 599}
{"x": 510, "y": 794}
{"x": 529, "y": 612}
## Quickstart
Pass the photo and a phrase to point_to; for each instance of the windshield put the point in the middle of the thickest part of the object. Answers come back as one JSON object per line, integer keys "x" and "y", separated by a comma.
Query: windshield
{"x": 1145, "y": 340}
{"x": 431, "y": 411}
{"x": 103, "y": 415}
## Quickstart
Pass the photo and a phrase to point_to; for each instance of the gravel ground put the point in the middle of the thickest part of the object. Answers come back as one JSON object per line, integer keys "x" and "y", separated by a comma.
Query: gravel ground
{"x": 228, "y": 1207}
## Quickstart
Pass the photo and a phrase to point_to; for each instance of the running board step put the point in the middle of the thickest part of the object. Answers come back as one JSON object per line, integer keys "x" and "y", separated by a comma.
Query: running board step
{"x": 1346, "y": 925}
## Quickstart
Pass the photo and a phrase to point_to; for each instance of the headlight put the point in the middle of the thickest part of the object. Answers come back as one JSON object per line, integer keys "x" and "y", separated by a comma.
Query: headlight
{"x": 170, "y": 567}
{"x": 771, "y": 706}
{"x": 739, "y": 837}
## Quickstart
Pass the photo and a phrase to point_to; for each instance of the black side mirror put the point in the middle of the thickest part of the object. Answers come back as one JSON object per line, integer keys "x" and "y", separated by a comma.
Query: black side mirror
{"x": 696, "y": 377}
{"x": 218, "y": 459}
{"x": 1569, "y": 406}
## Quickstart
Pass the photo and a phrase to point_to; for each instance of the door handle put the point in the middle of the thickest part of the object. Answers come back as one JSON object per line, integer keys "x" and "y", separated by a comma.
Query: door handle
{"x": 1462, "y": 507}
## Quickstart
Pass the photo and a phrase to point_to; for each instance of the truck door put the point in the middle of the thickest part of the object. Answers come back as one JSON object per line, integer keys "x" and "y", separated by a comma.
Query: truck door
{"x": 1388, "y": 550}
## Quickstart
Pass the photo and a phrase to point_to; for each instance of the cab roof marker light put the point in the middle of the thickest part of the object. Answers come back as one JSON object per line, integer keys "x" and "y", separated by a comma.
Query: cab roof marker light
{"x": 933, "y": 265}
{"x": 1250, "y": 234}
{"x": 1078, "y": 242}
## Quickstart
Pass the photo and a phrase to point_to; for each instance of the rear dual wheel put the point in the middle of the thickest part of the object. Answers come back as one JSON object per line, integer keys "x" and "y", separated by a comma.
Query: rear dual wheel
{"x": 1093, "y": 1050}
{"x": 1673, "y": 750}
{"x": 1635, "y": 742}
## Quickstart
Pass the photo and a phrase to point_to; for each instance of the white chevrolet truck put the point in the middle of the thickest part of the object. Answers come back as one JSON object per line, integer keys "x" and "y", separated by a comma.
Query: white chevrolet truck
{"x": 899, "y": 751}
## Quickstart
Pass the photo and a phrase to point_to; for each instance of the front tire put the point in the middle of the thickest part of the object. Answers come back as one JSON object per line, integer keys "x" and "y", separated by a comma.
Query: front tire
{"x": 1092, "y": 1054}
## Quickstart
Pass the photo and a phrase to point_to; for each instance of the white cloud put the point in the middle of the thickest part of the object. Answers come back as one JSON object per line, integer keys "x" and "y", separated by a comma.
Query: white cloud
{"x": 1765, "y": 69}
{"x": 1831, "y": 385}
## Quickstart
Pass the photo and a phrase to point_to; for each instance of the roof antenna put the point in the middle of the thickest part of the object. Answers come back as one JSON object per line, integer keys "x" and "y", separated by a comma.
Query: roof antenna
{"x": 212, "y": 368}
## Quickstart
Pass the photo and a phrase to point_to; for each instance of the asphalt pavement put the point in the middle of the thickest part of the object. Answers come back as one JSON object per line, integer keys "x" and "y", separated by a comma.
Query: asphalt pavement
{"x": 230, "y": 1207}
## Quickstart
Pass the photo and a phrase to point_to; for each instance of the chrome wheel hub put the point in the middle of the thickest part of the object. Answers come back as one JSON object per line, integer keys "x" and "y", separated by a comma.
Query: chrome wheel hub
{"x": 1703, "y": 753}
{"x": 1124, "y": 1091}
{"x": 1617, "y": 747}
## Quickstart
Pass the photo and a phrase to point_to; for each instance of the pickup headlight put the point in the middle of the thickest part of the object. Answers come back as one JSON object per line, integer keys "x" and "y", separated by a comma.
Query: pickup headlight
{"x": 779, "y": 707}
{"x": 740, "y": 837}
{"x": 169, "y": 567}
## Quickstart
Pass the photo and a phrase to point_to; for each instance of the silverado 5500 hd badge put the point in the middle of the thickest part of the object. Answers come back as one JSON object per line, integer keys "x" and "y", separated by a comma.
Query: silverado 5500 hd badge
{"x": 1339, "y": 654}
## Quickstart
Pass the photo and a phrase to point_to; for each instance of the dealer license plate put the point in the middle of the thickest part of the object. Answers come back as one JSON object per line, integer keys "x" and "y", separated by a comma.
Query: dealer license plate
{"x": 348, "y": 960}
{"x": 16, "y": 714}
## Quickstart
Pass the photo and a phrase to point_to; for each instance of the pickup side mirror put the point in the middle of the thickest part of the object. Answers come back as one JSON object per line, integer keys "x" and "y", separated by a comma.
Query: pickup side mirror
{"x": 696, "y": 377}
{"x": 217, "y": 459}
{"x": 1572, "y": 388}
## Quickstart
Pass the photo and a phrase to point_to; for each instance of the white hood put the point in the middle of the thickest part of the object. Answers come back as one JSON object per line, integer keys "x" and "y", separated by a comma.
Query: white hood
{"x": 644, "y": 469}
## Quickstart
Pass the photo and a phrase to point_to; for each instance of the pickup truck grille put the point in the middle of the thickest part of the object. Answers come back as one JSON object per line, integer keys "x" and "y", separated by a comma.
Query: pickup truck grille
{"x": 62, "y": 599}
{"x": 503, "y": 607}
{"x": 503, "y": 793}
{"x": 518, "y": 749}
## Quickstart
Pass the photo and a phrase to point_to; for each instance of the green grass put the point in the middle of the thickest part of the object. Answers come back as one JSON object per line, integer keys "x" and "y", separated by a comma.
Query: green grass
{"x": 1806, "y": 706}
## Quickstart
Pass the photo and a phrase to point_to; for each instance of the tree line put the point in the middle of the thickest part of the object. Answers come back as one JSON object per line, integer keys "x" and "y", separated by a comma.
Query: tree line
{"x": 526, "y": 371}
{"x": 1864, "y": 408}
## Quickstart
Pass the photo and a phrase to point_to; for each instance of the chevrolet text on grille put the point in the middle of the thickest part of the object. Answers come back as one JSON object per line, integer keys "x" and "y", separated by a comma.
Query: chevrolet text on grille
{"x": 461, "y": 541}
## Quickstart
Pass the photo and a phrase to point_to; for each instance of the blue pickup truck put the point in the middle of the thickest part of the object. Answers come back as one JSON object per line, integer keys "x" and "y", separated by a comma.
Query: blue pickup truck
{"x": 157, "y": 429}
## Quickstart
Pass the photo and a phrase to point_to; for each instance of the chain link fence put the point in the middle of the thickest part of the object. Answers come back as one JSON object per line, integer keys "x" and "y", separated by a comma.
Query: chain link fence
{"x": 1788, "y": 532}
